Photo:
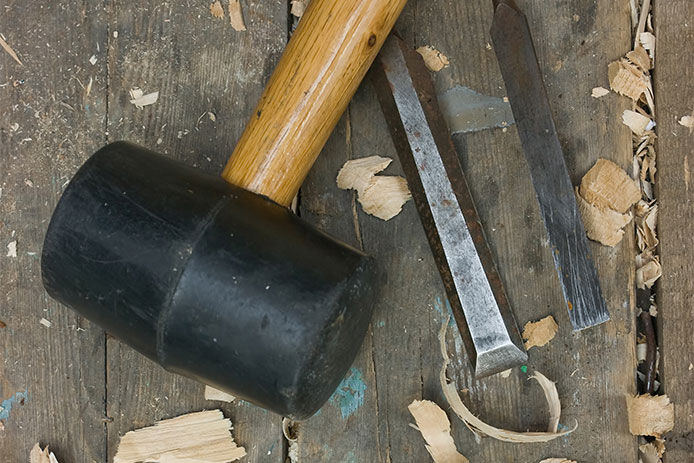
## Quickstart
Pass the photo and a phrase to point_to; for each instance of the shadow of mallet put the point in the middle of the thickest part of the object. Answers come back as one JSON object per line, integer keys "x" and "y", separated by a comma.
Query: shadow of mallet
{"x": 219, "y": 281}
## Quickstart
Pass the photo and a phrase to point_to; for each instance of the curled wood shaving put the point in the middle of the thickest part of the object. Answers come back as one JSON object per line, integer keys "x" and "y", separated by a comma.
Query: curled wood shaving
{"x": 638, "y": 123}
{"x": 646, "y": 219}
{"x": 10, "y": 51}
{"x": 557, "y": 460}
{"x": 627, "y": 79}
{"x": 687, "y": 121}
{"x": 650, "y": 415}
{"x": 602, "y": 225}
{"x": 236, "y": 15}
{"x": 140, "y": 100}
{"x": 599, "y": 92}
{"x": 37, "y": 455}
{"x": 202, "y": 437}
{"x": 477, "y": 426}
{"x": 539, "y": 333}
{"x": 298, "y": 7}
{"x": 648, "y": 453}
{"x": 215, "y": 394}
{"x": 435, "y": 428}
{"x": 606, "y": 185}
{"x": 648, "y": 269}
{"x": 552, "y": 396}
{"x": 433, "y": 59}
{"x": 639, "y": 57}
{"x": 217, "y": 9}
{"x": 380, "y": 196}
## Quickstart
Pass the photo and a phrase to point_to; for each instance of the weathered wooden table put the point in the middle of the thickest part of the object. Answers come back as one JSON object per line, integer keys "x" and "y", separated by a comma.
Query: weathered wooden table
{"x": 82, "y": 389}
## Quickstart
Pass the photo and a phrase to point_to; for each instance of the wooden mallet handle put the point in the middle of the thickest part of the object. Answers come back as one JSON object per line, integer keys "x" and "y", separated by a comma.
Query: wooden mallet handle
{"x": 321, "y": 68}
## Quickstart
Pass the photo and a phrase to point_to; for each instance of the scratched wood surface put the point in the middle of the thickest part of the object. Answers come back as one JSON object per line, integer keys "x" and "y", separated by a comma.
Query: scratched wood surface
{"x": 675, "y": 99}
{"x": 52, "y": 385}
{"x": 77, "y": 380}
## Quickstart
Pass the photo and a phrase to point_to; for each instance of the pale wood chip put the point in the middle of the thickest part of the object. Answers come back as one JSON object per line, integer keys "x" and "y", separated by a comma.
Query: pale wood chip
{"x": 627, "y": 79}
{"x": 647, "y": 40}
{"x": 557, "y": 460}
{"x": 236, "y": 15}
{"x": 380, "y": 196}
{"x": 599, "y": 92}
{"x": 606, "y": 185}
{"x": 646, "y": 226}
{"x": 650, "y": 415}
{"x": 648, "y": 453}
{"x": 217, "y": 9}
{"x": 539, "y": 333}
{"x": 140, "y": 100}
{"x": 648, "y": 269}
{"x": 299, "y": 7}
{"x": 201, "y": 437}
{"x": 639, "y": 57}
{"x": 12, "y": 249}
{"x": 215, "y": 394}
{"x": 687, "y": 121}
{"x": 638, "y": 123}
{"x": 476, "y": 425}
{"x": 433, "y": 59}
{"x": 435, "y": 428}
{"x": 10, "y": 51}
{"x": 37, "y": 455}
{"x": 603, "y": 225}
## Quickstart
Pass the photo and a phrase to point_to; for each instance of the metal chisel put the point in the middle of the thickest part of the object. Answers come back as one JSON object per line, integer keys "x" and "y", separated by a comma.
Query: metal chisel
{"x": 526, "y": 92}
{"x": 428, "y": 157}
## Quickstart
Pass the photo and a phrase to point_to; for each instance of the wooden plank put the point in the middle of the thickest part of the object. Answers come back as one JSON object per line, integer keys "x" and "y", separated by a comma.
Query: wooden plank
{"x": 200, "y": 65}
{"x": 675, "y": 291}
{"x": 52, "y": 385}
{"x": 593, "y": 369}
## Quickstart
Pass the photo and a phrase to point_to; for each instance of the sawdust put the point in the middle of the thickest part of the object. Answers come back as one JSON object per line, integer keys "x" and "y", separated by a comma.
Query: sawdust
{"x": 140, "y": 100}
{"x": 203, "y": 437}
{"x": 539, "y": 333}
{"x": 236, "y": 15}
{"x": 606, "y": 185}
{"x": 474, "y": 424}
{"x": 433, "y": 59}
{"x": 298, "y": 7}
{"x": 602, "y": 225}
{"x": 215, "y": 394}
{"x": 217, "y": 9}
{"x": 650, "y": 415}
{"x": 380, "y": 196}
{"x": 688, "y": 122}
{"x": 10, "y": 51}
{"x": 435, "y": 428}
{"x": 637, "y": 122}
{"x": 599, "y": 92}
{"x": 38, "y": 455}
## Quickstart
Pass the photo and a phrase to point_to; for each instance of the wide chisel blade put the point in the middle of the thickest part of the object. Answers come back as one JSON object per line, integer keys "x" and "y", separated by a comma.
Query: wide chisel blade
{"x": 526, "y": 92}
{"x": 428, "y": 157}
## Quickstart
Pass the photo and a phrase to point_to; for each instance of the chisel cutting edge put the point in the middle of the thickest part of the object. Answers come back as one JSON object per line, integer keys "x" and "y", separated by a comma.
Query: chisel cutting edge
{"x": 515, "y": 52}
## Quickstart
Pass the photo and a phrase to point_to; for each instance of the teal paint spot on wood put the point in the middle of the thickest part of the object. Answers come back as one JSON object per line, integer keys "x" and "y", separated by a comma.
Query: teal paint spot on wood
{"x": 524, "y": 368}
{"x": 448, "y": 312}
{"x": 349, "y": 395}
{"x": 7, "y": 404}
{"x": 380, "y": 324}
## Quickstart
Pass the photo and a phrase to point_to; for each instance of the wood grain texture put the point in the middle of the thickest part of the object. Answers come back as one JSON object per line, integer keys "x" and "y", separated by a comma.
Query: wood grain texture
{"x": 200, "y": 65}
{"x": 594, "y": 368}
{"x": 329, "y": 54}
{"x": 58, "y": 369}
{"x": 674, "y": 96}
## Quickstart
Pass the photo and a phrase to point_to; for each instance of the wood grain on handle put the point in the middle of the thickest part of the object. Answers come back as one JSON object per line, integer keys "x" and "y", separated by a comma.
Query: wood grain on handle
{"x": 321, "y": 68}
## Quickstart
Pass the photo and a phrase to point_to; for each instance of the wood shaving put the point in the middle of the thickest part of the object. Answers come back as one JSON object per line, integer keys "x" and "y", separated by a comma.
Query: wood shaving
{"x": 10, "y": 51}
{"x": 648, "y": 269}
{"x": 477, "y": 426}
{"x": 646, "y": 219}
{"x": 650, "y": 415}
{"x": 552, "y": 397}
{"x": 688, "y": 122}
{"x": 298, "y": 7}
{"x": 289, "y": 431}
{"x": 201, "y": 437}
{"x": 215, "y": 394}
{"x": 599, "y": 92}
{"x": 45, "y": 323}
{"x": 140, "y": 100}
{"x": 37, "y": 455}
{"x": 648, "y": 42}
{"x": 602, "y": 225}
{"x": 236, "y": 15}
{"x": 539, "y": 333}
{"x": 638, "y": 123}
{"x": 12, "y": 249}
{"x": 557, "y": 460}
{"x": 435, "y": 428}
{"x": 217, "y": 9}
{"x": 433, "y": 59}
{"x": 380, "y": 196}
{"x": 606, "y": 185}
{"x": 648, "y": 453}
{"x": 627, "y": 79}
{"x": 639, "y": 57}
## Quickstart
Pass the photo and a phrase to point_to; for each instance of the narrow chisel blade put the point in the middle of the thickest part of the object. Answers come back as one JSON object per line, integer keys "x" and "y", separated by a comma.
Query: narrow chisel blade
{"x": 526, "y": 92}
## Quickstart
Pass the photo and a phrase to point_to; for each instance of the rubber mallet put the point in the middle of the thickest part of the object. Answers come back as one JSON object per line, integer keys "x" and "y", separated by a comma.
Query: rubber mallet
{"x": 217, "y": 280}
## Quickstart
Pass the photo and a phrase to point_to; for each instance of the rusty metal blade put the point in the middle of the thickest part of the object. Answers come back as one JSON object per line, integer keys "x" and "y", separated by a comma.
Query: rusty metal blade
{"x": 445, "y": 206}
{"x": 526, "y": 92}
